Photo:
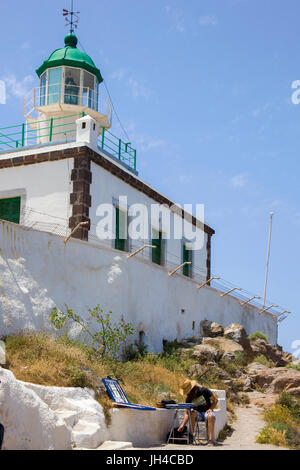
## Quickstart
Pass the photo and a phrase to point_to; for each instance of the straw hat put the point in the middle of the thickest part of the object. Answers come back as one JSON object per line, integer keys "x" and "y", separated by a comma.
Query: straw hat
{"x": 187, "y": 386}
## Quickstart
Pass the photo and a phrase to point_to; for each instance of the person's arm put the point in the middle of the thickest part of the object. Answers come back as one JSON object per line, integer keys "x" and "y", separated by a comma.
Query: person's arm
{"x": 214, "y": 401}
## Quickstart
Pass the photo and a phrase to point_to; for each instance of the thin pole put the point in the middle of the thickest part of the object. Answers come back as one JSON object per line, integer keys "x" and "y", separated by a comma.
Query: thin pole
{"x": 268, "y": 258}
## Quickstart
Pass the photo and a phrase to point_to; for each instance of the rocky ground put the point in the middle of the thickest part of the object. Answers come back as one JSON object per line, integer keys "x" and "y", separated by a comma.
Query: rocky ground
{"x": 254, "y": 362}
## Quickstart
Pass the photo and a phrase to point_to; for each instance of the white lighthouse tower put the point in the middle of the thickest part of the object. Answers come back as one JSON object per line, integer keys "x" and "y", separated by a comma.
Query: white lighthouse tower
{"x": 69, "y": 89}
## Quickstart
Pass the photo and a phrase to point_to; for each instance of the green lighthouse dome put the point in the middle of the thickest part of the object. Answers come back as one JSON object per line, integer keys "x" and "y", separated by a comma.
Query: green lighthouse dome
{"x": 72, "y": 57}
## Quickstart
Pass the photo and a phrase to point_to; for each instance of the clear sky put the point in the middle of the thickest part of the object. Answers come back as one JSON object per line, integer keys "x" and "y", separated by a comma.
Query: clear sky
{"x": 203, "y": 88}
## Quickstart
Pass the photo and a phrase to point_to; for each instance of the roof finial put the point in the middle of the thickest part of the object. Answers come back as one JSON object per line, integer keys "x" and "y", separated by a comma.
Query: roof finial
{"x": 72, "y": 17}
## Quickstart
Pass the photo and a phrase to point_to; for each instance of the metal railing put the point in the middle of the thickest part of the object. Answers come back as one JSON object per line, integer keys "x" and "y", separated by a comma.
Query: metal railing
{"x": 117, "y": 148}
{"x": 69, "y": 95}
{"x": 47, "y": 130}
{"x": 63, "y": 129}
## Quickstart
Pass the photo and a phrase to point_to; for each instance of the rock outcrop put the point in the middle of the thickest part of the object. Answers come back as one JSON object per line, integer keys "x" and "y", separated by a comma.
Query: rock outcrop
{"x": 260, "y": 347}
{"x": 79, "y": 410}
{"x": 211, "y": 329}
{"x": 224, "y": 345}
{"x": 237, "y": 333}
{"x": 276, "y": 379}
{"x": 205, "y": 352}
{"x": 29, "y": 423}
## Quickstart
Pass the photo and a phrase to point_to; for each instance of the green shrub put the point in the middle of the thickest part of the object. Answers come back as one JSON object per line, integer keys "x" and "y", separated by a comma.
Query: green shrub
{"x": 240, "y": 358}
{"x": 258, "y": 335}
{"x": 292, "y": 403}
{"x": 136, "y": 351}
{"x": 269, "y": 435}
{"x": 282, "y": 423}
{"x": 225, "y": 433}
{"x": 293, "y": 366}
{"x": 107, "y": 339}
{"x": 263, "y": 360}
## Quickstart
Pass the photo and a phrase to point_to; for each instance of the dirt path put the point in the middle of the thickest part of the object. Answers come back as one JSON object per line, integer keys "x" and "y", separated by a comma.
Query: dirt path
{"x": 246, "y": 427}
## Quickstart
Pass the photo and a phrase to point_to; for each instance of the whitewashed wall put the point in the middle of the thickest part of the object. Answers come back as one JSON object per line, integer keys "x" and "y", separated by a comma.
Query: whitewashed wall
{"x": 106, "y": 188}
{"x": 44, "y": 188}
{"x": 38, "y": 271}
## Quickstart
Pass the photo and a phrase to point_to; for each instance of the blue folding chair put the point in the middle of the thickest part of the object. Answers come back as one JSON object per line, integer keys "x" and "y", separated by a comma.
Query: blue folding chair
{"x": 119, "y": 397}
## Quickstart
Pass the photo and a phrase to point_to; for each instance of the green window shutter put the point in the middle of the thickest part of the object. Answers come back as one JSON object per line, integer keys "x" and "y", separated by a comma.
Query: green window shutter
{"x": 157, "y": 252}
{"x": 10, "y": 209}
{"x": 121, "y": 222}
{"x": 186, "y": 257}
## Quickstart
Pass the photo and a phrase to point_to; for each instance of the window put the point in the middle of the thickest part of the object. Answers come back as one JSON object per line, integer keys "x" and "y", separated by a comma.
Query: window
{"x": 43, "y": 89}
{"x": 54, "y": 85}
{"x": 187, "y": 257}
{"x": 121, "y": 230}
{"x": 88, "y": 94}
{"x": 72, "y": 86}
{"x": 157, "y": 253}
{"x": 10, "y": 209}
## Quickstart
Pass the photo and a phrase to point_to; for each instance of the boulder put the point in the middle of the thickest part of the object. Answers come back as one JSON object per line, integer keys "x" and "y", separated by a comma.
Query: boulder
{"x": 196, "y": 370}
{"x": 247, "y": 383}
{"x": 224, "y": 345}
{"x": 211, "y": 329}
{"x": 259, "y": 347}
{"x": 205, "y": 352}
{"x": 273, "y": 353}
{"x": 29, "y": 422}
{"x": 237, "y": 333}
{"x": 228, "y": 356}
{"x": 275, "y": 379}
{"x": 81, "y": 412}
{"x": 294, "y": 391}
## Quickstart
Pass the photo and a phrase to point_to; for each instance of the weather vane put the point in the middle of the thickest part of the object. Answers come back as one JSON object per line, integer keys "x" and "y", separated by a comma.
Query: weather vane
{"x": 72, "y": 18}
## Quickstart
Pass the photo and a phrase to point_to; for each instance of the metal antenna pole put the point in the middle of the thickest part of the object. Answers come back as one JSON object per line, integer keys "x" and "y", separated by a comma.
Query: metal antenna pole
{"x": 268, "y": 258}
{"x": 72, "y": 17}
{"x": 72, "y": 10}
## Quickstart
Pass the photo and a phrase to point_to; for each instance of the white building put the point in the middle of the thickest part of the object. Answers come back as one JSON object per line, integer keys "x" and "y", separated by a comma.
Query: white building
{"x": 56, "y": 172}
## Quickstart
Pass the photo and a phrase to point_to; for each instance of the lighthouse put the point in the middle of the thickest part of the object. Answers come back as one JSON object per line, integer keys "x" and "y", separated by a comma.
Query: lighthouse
{"x": 69, "y": 84}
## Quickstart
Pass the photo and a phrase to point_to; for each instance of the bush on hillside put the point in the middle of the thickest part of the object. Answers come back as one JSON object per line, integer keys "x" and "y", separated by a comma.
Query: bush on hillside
{"x": 258, "y": 335}
{"x": 107, "y": 339}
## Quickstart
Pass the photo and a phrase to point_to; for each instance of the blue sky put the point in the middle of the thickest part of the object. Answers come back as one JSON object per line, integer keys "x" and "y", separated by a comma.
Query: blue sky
{"x": 203, "y": 89}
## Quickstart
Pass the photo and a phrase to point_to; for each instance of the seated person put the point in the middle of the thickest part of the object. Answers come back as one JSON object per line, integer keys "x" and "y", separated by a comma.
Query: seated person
{"x": 202, "y": 412}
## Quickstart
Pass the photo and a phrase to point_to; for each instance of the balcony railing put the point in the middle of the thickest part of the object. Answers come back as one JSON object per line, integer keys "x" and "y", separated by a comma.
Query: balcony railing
{"x": 50, "y": 130}
{"x": 67, "y": 95}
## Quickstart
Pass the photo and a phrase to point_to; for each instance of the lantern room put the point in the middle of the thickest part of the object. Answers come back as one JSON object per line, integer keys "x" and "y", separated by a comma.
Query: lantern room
{"x": 69, "y": 85}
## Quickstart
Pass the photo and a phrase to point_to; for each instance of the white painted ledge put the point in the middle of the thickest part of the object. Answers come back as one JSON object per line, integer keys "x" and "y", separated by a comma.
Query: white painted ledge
{"x": 150, "y": 428}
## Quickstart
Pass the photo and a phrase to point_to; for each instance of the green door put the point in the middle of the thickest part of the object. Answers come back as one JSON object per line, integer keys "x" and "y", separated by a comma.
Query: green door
{"x": 186, "y": 257}
{"x": 10, "y": 209}
{"x": 157, "y": 242}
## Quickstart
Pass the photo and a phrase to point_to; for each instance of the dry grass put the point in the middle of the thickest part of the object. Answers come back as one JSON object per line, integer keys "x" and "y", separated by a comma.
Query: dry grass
{"x": 283, "y": 423}
{"x": 44, "y": 360}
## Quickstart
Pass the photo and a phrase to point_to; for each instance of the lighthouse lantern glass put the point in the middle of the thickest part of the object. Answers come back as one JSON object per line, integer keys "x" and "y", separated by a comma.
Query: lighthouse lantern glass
{"x": 54, "y": 85}
{"x": 72, "y": 86}
{"x": 43, "y": 89}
